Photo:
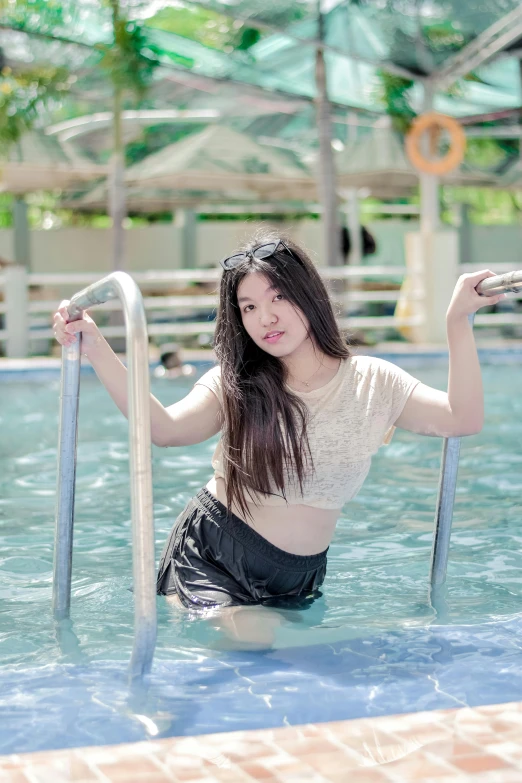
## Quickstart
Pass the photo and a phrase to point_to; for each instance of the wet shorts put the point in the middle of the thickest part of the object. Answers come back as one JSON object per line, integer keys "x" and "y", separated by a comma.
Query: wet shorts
{"x": 211, "y": 561}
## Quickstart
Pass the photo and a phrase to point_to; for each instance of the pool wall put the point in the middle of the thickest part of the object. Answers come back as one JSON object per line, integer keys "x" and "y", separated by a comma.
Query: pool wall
{"x": 403, "y": 354}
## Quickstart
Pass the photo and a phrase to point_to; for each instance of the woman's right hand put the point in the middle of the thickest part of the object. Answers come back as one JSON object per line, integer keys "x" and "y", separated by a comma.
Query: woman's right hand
{"x": 65, "y": 332}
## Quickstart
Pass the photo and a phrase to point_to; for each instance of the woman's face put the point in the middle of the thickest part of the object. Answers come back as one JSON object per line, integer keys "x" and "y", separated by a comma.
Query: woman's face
{"x": 273, "y": 323}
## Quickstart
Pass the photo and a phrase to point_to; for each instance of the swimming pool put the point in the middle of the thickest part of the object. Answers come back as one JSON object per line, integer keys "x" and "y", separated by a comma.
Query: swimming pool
{"x": 371, "y": 645}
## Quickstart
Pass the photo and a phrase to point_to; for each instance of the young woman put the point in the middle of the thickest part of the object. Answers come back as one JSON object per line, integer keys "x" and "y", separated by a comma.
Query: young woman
{"x": 300, "y": 419}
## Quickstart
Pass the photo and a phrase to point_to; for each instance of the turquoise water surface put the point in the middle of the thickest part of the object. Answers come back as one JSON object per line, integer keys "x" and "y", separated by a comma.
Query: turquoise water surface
{"x": 375, "y": 597}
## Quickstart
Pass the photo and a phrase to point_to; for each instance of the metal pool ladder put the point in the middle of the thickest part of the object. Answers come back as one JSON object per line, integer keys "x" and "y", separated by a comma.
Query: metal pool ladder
{"x": 117, "y": 285}
{"x": 500, "y": 284}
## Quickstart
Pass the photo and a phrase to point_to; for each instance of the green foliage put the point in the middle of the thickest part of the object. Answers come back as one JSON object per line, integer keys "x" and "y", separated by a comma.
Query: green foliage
{"x": 174, "y": 57}
{"x": 487, "y": 206}
{"x": 6, "y": 212}
{"x": 442, "y": 36}
{"x": 490, "y": 153}
{"x": 395, "y": 97}
{"x": 248, "y": 36}
{"x": 484, "y": 153}
{"x": 40, "y": 15}
{"x": 206, "y": 27}
{"x": 128, "y": 61}
{"x": 155, "y": 137}
{"x": 23, "y": 96}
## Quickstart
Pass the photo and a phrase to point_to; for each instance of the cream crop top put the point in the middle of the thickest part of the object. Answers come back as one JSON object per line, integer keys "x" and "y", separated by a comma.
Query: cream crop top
{"x": 350, "y": 418}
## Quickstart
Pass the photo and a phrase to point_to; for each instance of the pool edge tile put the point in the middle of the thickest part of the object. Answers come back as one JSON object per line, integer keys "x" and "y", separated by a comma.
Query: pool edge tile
{"x": 442, "y": 746}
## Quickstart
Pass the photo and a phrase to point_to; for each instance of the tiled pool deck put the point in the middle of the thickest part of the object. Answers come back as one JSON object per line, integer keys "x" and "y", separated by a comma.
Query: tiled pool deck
{"x": 444, "y": 746}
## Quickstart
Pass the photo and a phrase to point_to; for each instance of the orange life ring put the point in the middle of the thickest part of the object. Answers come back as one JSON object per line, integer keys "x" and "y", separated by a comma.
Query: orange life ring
{"x": 434, "y": 122}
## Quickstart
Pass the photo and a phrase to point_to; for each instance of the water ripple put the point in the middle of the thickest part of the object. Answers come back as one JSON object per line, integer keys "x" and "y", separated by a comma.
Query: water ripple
{"x": 377, "y": 580}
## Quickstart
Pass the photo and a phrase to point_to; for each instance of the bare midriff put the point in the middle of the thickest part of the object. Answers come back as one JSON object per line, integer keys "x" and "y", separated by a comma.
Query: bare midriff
{"x": 299, "y": 529}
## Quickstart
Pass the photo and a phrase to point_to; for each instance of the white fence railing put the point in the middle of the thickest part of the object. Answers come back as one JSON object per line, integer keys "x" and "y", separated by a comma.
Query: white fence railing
{"x": 25, "y": 320}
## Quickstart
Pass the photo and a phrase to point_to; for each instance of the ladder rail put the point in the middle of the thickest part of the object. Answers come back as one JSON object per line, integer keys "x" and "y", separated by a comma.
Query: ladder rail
{"x": 66, "y": 480}
{"x": 491, "y": 286}
{"x": 116, "y": 285}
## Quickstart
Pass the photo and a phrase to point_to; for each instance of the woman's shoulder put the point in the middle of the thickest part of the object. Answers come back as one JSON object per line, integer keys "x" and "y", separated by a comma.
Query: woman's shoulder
{"x": 368, "y": 365}
{"x": 212, "y": 380}
{"x": 374, "y": 369}
{"x": 213, "y": 374}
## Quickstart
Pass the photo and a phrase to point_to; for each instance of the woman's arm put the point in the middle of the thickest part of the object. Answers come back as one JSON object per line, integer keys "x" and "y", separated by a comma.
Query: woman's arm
{"x": 193, "y": 419}
{"x": 460, "y": 411}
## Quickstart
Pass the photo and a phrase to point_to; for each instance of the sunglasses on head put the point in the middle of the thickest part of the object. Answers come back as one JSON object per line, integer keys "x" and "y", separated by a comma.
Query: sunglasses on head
{"x": 261, "y": 252}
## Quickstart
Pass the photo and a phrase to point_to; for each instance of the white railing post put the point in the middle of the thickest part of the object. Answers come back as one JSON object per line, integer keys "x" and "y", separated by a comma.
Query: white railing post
{"x": 433, "y": 267}
{"x": 174, "y": 327}
{"x": 17, "y": 311}
{"x": 186, "y": 222}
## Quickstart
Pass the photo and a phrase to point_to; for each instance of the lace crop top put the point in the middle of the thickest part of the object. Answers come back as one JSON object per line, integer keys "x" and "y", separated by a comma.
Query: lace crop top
{"x": 350, "y": 418}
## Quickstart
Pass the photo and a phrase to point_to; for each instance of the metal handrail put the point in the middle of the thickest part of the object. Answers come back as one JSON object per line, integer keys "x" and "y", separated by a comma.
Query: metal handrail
{"x": 116, "y": 285}
{"x": 491, "y": 286}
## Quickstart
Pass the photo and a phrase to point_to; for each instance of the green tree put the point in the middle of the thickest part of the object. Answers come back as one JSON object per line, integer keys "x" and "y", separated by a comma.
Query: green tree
{"x": 23, "y": 97}
{"x": 130, "y": 66}
{"x": 205, "y": 26}
{"x": 395, "y": 95}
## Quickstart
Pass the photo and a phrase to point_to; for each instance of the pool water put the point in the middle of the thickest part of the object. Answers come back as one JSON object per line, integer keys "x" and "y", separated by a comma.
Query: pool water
{"x": 372, "y": 644}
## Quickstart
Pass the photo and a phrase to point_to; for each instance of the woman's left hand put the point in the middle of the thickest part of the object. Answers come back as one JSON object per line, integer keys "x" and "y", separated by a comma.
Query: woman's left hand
{"x": 466, "y": 300}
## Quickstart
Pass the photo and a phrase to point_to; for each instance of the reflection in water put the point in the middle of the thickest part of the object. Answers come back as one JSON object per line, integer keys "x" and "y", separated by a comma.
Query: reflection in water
{"x": 68, "y": 642}
{"x": 439, "y": 601}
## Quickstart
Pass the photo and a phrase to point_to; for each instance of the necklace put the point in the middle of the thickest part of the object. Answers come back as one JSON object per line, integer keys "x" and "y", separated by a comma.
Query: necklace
{"x": 308, "y": 382}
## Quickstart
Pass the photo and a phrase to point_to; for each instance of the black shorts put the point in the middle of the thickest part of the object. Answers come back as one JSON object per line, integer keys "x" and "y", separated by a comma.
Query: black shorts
{"x": 210, "y": 560}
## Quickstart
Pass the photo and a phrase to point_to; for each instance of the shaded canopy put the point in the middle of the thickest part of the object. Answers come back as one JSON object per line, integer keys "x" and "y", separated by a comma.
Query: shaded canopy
{"x": 149, "y": 200}
{"x": 378, "y": 161}
{"x": 268, "y": 46}
{"x": 219, "y": 158}
{"x": 39, "y": 162}
{"x": 252, "y": 64}
{"x": 419, "y": 37}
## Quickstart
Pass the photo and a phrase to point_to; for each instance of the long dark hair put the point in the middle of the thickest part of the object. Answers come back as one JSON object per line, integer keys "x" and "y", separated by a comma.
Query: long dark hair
{"x": 265, "y": 426}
